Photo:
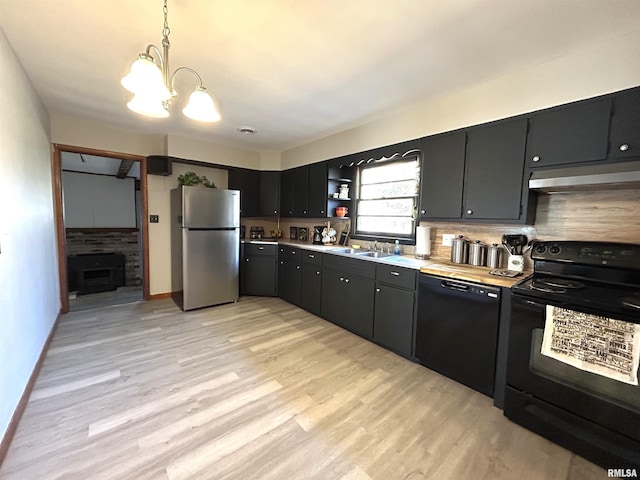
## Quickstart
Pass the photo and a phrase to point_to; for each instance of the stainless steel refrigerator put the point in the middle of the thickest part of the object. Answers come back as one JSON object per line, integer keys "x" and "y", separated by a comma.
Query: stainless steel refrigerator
{"x": 205, "y": 246}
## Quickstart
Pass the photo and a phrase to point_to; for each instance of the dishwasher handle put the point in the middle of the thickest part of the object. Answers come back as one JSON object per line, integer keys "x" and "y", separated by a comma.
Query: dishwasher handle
{"x": 460, "y": 287}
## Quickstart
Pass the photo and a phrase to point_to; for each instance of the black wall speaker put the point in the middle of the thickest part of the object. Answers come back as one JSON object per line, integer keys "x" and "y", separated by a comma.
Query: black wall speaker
{"x": 159, "y": 165}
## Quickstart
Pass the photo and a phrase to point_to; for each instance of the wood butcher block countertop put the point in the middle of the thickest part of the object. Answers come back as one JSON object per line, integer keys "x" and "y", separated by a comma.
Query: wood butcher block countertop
{"x": 470, "y": 273}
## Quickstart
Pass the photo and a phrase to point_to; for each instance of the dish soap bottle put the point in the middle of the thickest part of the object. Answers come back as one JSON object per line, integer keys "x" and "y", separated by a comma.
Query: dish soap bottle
{"x": 396, "y": 251}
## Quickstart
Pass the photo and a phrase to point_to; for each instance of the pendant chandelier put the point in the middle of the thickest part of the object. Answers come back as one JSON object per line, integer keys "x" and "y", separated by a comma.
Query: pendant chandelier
{"x": 154, "y": 90}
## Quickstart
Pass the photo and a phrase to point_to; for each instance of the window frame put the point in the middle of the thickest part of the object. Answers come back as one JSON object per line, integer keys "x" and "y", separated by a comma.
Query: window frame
{"x": 381, "y": 235}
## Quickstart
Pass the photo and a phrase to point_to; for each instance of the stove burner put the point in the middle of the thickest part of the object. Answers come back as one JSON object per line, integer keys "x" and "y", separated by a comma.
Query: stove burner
{"x": 555, "y": 285}
{"x": 563, "y": 283}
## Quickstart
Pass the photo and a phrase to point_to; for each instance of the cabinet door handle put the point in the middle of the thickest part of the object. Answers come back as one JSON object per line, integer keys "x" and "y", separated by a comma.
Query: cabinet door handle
{"x": 275, "y": 212}
{"x": 321, "y": 211}
{"x": 423, "y": 212}
{"x": 469, "y": 212}
{"x": 297, "y": 267}
{"x": 304, "y": 211}
{"x": 311, "y": 255}
{"x": 342, "y": 279}
{"x": 536, "y": 158}
{"x": 281, "y": 263}
{"x": 377, "y": 290}
{"x": 246, "y": 259}
{"x": 624, "y": 147}
{"x": 346, "y": 280}
{"x": 260, "y": 248}
{"x": 317, "y": 273}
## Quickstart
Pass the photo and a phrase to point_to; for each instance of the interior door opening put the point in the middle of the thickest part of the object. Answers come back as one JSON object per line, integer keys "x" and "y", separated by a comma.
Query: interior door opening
{"x": 101, "y": 211}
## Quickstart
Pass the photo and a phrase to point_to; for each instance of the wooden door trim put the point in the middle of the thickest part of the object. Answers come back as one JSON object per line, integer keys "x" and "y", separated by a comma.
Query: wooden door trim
{"x": 59, "y": 214}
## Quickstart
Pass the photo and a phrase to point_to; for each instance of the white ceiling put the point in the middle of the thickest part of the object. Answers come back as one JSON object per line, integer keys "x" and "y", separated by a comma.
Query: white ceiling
{"x": 296, "y": 70}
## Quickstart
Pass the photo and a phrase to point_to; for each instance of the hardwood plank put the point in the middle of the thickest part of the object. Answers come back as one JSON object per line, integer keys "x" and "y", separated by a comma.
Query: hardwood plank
{"x": 259, "y": 389}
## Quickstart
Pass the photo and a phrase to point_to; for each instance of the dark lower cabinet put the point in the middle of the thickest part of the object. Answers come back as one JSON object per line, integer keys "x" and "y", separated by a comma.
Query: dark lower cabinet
{"x": 289, "y": 274}
{"x": 310, "y": 295}
{"x": 258, "y": 270}
{"x": 393, "y": 319}
{"x": 311, "y": 281}
{"x": 347, "y": 301}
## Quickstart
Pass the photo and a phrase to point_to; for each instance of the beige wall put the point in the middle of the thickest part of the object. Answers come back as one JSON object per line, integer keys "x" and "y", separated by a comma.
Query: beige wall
{"x": 29, "y": 286}
{"x": 158, "y": 187}
{"x": 592, "y": 70}
{"x": 83, "y": 132}
{"x": 191, "y": 149}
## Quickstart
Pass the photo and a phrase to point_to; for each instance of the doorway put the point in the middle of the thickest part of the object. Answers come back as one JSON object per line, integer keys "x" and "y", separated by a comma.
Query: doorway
{"x": 103, "y": 255}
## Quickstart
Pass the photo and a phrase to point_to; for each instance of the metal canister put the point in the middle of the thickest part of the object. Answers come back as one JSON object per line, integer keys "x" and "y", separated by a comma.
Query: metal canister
{"x": 477, "y": 253}
{"x": 459, "y": 250}
{"x": 494, "y": 256}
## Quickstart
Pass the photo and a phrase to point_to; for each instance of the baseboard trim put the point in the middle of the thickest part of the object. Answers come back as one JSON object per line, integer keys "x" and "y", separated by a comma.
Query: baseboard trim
{"x": 161, "y": 296}
{"x": 5, "y": 442}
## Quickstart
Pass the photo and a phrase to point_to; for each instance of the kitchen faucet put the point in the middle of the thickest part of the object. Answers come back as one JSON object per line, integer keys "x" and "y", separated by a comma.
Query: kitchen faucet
{"x": 375, "y": 245}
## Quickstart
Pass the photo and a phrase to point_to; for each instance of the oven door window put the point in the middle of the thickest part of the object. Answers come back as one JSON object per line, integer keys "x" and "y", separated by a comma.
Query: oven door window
{"x": 608, "y": 402}
{"x": 589, "y": 383}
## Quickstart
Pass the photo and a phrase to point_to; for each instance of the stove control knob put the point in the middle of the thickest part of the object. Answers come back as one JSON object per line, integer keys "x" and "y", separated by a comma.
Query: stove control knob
{"x": 554, "y": 250}
{"x": 541, "y": 249}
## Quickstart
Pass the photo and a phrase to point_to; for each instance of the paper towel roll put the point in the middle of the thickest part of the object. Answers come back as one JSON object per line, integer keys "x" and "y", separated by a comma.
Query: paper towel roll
{"x": 423, "y": 242}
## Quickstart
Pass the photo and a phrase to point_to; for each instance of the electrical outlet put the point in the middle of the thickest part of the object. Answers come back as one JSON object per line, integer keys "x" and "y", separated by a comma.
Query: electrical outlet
{"x": 447, "y": 238}
{"x": 154, "y": 218}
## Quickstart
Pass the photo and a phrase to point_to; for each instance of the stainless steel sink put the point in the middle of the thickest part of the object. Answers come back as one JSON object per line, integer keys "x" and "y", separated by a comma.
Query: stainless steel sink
{"x": 347, "y": 250}
{"x": 373, "y": 254}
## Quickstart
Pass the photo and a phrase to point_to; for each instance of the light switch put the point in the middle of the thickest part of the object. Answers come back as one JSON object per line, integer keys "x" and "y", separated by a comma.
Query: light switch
{"x": 154, "y": 218}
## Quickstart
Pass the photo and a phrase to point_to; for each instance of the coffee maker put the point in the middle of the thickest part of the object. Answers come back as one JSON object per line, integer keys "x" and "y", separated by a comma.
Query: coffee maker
{"x": 317, "y": 234}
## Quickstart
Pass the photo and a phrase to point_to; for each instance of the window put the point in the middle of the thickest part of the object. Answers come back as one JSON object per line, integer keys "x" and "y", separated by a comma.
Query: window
{"x": 387, "y": 194}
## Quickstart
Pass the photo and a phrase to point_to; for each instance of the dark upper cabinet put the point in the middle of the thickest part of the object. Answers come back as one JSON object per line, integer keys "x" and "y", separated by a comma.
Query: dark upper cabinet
{"x": 294, "y": 193}
{"x": 303, "y": 191}
{"x": 494, "y": 171}
{"x": 442, "y": 175}
{"x": 624, "y": 138}
{"x": 569, "y": 134}
{"x": 300, "y": 191}
{"x": 269, "y": 193}
{"x": 317, "y": 199}
{"x": 286, "y": 193}
{"x": 248, "y": 182}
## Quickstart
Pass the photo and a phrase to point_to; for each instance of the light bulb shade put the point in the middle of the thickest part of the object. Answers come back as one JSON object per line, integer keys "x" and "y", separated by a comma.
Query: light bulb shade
{"x": 146, "y": 77}
{"x": 148, "y": 105}
{"x": 201, "y": 106}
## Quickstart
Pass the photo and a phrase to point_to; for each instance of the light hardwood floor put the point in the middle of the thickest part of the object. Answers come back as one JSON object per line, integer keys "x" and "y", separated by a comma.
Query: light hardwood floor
{"x": 258, "y": 389}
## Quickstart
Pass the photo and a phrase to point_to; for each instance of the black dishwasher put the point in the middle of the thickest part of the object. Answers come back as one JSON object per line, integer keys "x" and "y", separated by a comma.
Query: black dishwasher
{"x": 457, "y": 330}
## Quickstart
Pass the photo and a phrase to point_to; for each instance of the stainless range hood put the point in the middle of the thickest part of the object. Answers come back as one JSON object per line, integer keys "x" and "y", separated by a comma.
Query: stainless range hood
{"x": 612, "y": 176}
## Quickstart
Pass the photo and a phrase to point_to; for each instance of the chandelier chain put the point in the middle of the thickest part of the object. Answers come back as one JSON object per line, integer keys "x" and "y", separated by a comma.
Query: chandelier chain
{"x": 165, "y": 30}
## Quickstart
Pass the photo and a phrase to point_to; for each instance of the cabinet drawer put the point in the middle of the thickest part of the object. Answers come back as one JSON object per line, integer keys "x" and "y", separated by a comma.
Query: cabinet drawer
{"x": 260, "y": 249}
{"x": 399, "y": 277}
{"x": 310, "y": 257}
{"x": 351, "y": 266}
{"x": 290, "y": 252}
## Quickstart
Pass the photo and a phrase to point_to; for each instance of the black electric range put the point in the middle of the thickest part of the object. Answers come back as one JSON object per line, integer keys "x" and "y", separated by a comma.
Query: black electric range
{"x": 593, "y": 414}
